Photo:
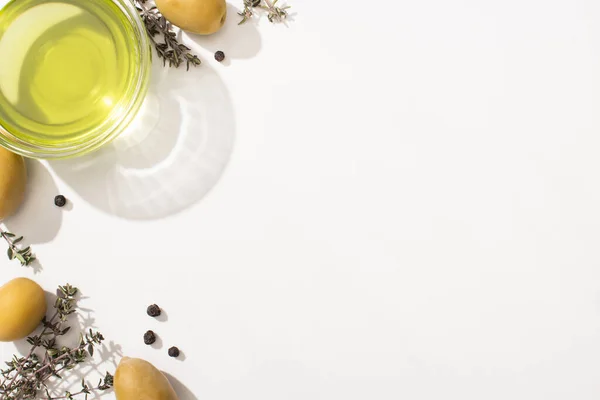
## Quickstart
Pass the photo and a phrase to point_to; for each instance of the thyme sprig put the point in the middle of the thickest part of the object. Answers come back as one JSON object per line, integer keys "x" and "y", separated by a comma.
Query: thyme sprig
{"x": 104, "y": 384}
{"x": 170, "y": 50}
{"x": 28, "y": 377}
{"x": 275, "y": 14}
{"x": 25, "y": 256}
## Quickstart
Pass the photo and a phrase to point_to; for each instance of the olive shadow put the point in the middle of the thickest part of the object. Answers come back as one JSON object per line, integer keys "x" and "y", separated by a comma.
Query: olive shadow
{"x": 183, "y": 393}
{"x": 38, "y": 219}
{"x": 169, "y": 158}
{"x": 236, "y": 41}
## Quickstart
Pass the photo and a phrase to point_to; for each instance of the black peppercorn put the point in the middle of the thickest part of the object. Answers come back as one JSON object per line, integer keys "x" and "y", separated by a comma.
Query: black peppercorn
{"x": 149, "y": 338}
{"x": 153, "y": 310}
{"x": 256, "y": 3}
{"x": 219, "y": 56}
{"x": 60, "y": 201}
{"x": 173, "y": 352}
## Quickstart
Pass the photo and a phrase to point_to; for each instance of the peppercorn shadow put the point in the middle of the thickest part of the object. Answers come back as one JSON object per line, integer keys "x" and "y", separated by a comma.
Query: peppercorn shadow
{"x": 235, "y": 41}
{"x": 158, "y": 343}
{"x": 38, "y": 219}
{"x": 163, "y": 317}
{"x": 170, "y": 157}
{"x": 182, "y": 357}
{"x": 180, "y": 354}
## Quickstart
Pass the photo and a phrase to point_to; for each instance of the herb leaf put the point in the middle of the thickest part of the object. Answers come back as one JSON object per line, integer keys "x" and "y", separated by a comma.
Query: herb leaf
{"x": 275, "y": 14}
{"x": 27, "y": 377}
{"x": 25, "y": 256}
{"x": 169, "y": 49}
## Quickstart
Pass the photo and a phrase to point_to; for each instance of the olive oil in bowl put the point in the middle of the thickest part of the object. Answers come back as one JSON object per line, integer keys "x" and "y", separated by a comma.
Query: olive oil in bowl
{"x": 71, "y": 72}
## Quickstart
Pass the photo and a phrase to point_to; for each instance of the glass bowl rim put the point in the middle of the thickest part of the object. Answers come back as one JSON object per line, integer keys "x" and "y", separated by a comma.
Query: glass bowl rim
{"x": 137, "y": 90}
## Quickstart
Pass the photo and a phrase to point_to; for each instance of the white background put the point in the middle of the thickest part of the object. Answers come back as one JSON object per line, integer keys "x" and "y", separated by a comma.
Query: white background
{"x": 382, "y": 200}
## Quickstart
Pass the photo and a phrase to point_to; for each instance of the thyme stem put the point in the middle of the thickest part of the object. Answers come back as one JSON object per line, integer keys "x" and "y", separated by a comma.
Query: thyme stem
{"x": 170, "y": 50}
{"x": 274, "y": 13}
{"x": 25, "y": 256}
{"x": 22, "y": 363}
{"x": 26, "y": 377}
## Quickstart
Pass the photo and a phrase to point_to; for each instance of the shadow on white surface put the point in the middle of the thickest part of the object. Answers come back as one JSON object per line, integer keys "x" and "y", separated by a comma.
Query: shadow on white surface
{"x": 236, "y": 41}
{"x": 111, "y": 353}
{"x": 181, "y": 357}
{"x": 158, "y": 344}
{"x": 82, "y": 321}
{"x": 163, "y": 317}
{"x": 38, "y": 219}
{"x": 182, "y": 391}
{"x": 106, "y": 357}
{"x": 172, "y": 155}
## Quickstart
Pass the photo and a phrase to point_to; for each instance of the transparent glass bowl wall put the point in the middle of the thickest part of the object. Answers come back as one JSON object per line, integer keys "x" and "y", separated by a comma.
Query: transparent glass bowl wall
{"x": 123, "y": 111}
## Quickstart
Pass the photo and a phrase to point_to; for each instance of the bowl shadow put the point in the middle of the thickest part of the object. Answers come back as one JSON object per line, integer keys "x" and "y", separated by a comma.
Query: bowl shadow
{"x": 169, "y": 158}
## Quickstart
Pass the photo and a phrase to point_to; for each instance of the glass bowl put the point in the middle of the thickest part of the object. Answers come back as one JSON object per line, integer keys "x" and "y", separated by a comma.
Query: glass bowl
{"x": 49, "y": 137}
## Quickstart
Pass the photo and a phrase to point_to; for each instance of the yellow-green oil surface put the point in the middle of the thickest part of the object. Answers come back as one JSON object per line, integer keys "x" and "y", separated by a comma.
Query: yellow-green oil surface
{"x": 64, "y": 68}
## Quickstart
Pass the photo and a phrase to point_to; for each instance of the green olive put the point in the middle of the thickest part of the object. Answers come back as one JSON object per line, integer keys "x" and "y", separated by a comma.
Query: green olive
{"x": 13, "y": 177}
{"x": 22, "y": 307}
{"x": 136, "y": 379}
{"x": 196, "y": 16}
